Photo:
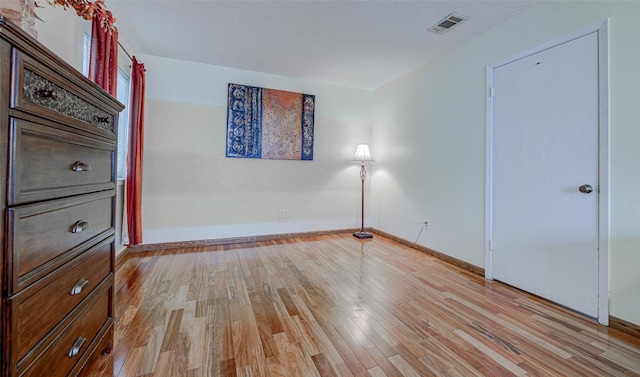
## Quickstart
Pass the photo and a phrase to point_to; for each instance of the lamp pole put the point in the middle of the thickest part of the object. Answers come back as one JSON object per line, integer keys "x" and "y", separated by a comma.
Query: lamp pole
{"x": 362, "y": 234}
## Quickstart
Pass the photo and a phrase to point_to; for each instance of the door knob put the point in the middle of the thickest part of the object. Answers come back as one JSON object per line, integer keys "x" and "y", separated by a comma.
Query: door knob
{"x": 585, "y": 189}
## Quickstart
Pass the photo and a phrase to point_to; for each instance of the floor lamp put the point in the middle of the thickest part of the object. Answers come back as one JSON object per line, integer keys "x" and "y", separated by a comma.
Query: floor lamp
{"x": 363, "y": 154}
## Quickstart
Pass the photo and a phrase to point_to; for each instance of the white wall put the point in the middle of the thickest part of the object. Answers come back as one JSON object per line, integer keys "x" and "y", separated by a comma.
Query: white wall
{"x": 429, "y": 136}
{"x": 62, "y": 32}
{"x": 192, "y": 191}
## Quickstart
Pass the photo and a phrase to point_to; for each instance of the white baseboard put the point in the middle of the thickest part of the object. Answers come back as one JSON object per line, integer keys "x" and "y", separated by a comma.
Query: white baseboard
{"x": 152, "y": 236}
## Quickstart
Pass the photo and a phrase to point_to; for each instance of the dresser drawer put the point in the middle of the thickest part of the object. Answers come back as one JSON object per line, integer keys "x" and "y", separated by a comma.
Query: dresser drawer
{"x": 39, "y": 90}
{"x": 52, "y": 163}
{"x": 63, "y": 353}
{"x": 44, "y": 236}
{"x": 37, "y": 310}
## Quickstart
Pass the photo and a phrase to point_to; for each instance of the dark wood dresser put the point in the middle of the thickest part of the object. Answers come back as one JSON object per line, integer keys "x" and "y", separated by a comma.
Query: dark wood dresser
{"x": 57, "y": 147}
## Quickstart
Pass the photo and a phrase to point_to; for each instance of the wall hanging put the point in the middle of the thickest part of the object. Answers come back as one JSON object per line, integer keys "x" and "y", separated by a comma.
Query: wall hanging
{"x": 269, "y": 123}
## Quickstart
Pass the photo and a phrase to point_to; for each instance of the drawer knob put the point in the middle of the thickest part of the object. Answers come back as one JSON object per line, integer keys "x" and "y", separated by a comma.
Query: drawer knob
{"x": 99, "y": 119}
{"x": 77, "y": 288}
{"x": 75, "y": 348}
{"x": 80, "y": 226}
{"x": 47, "y": 93}
{"x": 80, "y": 166}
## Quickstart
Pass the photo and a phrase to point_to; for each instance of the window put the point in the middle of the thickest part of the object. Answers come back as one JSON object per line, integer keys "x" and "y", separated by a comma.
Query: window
{"x": 86, "y": 52}
{"x": 122, "y": 94}
{"x": 123, "y": 89}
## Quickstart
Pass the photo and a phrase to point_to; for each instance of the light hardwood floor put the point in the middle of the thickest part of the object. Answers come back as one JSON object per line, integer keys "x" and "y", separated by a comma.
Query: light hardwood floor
{"x": 337, "y": 306}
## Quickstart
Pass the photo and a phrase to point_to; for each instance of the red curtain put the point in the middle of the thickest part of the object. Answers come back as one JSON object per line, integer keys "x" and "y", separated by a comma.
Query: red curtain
{"x": 133, "y": 189}
{"x": 103, "y": 62}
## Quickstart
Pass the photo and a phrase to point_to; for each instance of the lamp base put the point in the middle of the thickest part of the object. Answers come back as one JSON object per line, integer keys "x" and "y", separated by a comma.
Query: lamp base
{"x": 362, "y": 235}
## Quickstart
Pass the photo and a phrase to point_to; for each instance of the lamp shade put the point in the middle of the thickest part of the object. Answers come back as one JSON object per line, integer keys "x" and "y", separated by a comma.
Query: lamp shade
{"x": 363, "y": 153}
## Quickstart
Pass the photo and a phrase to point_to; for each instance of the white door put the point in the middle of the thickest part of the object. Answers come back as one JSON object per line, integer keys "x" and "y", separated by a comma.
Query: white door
{"x": 545, "y": 174}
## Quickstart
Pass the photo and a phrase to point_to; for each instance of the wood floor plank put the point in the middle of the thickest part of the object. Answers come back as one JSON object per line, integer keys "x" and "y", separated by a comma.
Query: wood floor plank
{"x": 446, "y": 360}
{"x": 355, "y": 347}
{"x": 294, "y": 361}
{"x": 307, "y": 340}
{"x": 131, "y": 364}
{"x": 495, "y": 356}
{"x": 322, "y": 365}
{"x": 377, "y": 331}
{"x": 383, "y": 363}
{"x": 404, "y": 367}
{"x": 151, "y": 351}
{"x": 337, "y": 306}
{"x": 374, "y": 337}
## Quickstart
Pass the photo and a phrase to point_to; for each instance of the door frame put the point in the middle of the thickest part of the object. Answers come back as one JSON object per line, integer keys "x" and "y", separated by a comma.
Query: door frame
{"x": 603, "y": 157}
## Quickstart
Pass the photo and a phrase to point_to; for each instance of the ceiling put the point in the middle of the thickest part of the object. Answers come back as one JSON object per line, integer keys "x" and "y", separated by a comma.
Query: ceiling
{"x": 362, "y": 44}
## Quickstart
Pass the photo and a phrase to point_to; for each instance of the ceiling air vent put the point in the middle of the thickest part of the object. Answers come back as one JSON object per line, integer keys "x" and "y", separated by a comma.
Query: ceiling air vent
{"x": 447, "y": 23}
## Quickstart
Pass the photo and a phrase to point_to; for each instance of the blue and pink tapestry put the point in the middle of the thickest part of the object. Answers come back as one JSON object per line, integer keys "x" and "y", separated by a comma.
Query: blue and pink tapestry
{"x": 269, "y": 123}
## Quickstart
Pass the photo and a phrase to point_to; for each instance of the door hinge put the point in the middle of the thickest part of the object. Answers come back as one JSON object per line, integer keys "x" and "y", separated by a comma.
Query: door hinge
{"x": 491, "y": 91}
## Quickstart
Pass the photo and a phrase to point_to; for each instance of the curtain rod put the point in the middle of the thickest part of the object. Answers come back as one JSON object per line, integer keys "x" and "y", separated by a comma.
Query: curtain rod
{"x": 125, "y": 51}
